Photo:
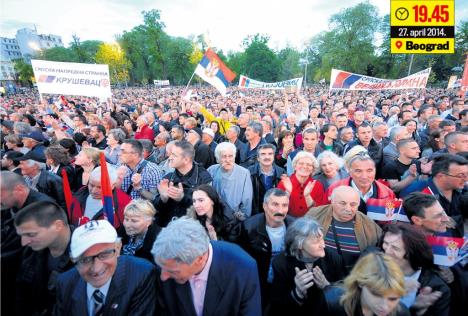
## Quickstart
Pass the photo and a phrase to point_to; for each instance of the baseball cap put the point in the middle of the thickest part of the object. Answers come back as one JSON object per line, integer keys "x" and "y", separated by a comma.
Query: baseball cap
{"x": 32, "y": 155}
{"x": 90, "y": 234}
{"x": 209, "y": 131}
{"x": 37, "y": 136}
{"x": 196, "y": 130}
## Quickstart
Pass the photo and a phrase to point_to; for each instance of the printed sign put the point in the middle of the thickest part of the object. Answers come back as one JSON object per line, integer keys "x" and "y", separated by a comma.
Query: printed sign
{"x": 248, "y": 83}
{"x": 422, "y": 27}
{"x": 54, "y": 77}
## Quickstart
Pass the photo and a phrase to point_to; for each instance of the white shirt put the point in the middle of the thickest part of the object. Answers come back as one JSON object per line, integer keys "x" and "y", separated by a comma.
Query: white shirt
{"x": 410, "y": 297}
{"x": 92, "y": 206}
{"x": 89, "y": 294}
{"x": 366, "y": 196}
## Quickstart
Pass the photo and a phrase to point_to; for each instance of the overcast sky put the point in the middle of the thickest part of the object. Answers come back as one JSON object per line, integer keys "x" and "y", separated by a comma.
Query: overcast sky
{"x": 227, "y": 22}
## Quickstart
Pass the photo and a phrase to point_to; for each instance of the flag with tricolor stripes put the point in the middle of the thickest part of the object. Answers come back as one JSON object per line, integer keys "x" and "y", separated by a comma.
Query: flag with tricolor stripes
{"x": 106, "y": 189}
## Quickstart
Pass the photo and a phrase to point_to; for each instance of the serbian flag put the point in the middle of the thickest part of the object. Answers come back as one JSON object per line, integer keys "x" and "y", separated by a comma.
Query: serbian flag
{"x": 446, "y": 250}
{"x": 212, "y": 69}
{"x": 107, "y": 201}
{"x": 390, "y": 210}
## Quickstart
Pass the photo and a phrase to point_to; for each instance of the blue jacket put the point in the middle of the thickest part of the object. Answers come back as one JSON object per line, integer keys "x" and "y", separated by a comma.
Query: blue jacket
{"x": 233, "y": 287}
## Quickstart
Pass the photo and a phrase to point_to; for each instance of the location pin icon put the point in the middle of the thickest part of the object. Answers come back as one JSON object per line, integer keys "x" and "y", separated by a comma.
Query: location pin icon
{"x": 398, "y": 44}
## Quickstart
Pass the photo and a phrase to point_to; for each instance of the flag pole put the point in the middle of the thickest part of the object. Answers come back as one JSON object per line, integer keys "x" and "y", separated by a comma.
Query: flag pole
{"x": 188, "y": 84}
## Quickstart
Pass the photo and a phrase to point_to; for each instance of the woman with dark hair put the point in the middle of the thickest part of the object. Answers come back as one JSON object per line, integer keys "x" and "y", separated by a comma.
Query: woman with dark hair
{"x": 114, "y": 139}
{"x": 130, "y": 128}
{"x": 435, "y": 143}
{"x": 329, "y": 133}
{"x": 70, "y": 146}
{"x": 57, "y": 159}
{"x": 412, "y": 128}
{"x": 218, "y": 138}
{"x": 208, "y": 209}
{"x": 285, "y": 147}
{"x": 426, "y": 293}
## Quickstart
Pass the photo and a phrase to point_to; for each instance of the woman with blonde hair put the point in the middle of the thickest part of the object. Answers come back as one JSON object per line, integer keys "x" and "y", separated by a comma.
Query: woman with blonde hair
{"x": 85, "y": 162}
{"x": 139, "y": 230}
{"x": 374, "y": 287}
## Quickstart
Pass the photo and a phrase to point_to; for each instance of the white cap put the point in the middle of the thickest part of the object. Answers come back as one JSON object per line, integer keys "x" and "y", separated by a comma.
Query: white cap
{"x": 90, "y": 234}
{"x": 209, "y": 131}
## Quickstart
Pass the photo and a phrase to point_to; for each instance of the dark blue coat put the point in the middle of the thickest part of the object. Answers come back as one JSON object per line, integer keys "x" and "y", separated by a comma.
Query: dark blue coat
{"x": 132, "y": 290}
{"x": 232, "y": 289}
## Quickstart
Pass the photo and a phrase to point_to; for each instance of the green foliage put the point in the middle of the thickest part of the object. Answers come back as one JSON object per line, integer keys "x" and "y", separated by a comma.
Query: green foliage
{"x": 260, "y": 61}
{"x": 24, "y": 72}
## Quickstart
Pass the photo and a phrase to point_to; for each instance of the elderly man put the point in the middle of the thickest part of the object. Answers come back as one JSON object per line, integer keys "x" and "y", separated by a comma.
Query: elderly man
{"x": 160, "y": 141}
{"x": 262, "y": 235}
{"x": 232, "y": 135}
{"x": 232, "y": 182}
{"x": 253, "y": 135}
{"x": 44, "y": 231}
{"x": 34, "y": 141}
{"x": 87, "y": 202}
{"x": 208, "y": 137}
{"x": 143, "y": 131}
{"x": 33, "y": 168}
{"x": 347, "y": 231}
{"x": 390, "y": 152}
{"x": 175, "y": 190}
{"x": 265, "y": 175}
{"x": 141, "y": 175}
{"x": 103, "y": 282}
{"x": 362, "y": 178}
{"x": 202, "y": 278}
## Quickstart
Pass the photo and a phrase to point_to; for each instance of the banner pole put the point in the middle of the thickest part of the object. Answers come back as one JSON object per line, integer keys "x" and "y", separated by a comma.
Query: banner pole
{"x": 188, "y": 84}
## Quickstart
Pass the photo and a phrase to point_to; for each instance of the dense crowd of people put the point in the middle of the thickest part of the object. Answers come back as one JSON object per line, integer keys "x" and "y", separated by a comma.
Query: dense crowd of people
{"x": 258, "y": 203}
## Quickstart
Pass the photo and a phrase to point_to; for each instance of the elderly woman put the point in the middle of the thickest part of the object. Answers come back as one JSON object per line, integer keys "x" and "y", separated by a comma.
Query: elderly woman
{"x": 86, "y": 160}
{"x": 143, "y": 130}
{"x": 303, "y": 271}
{"x": 427, "y": 293}
{"x": 87, "y": 202}
{"x": 304, "y": 191}
{"x": 114, "y": 139}
{"x": 208, "y": 209}
{"x": 232, "y": 182}
{"x": 374, "y": 287}
{"x": 331, "y": 169}
{"x": 139, "y": 230}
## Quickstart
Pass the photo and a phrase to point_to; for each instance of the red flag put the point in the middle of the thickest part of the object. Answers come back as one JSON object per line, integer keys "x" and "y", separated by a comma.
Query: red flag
{"x": 106, "y": 189}
{"x": 67, "y": 192}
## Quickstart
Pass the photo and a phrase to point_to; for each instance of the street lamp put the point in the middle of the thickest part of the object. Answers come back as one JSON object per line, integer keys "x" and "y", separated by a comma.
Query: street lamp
{"x": 304, "y": 62}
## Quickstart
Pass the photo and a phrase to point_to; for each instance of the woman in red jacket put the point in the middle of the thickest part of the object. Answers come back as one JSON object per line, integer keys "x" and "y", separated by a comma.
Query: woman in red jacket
{"x": 144, "y": 131}
{"x": 304, "y": 192}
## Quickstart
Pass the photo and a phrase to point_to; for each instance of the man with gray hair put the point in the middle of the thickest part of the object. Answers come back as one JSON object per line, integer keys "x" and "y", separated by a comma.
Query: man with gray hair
{"x": 346, "y": 231}
{"x": 33, "y": 168}
{"x": 199, "y": 277}
{"x": 232, "y": 182}
{"x": 87, "y": 202}
{"x": 253, "y": 135}
{"x": 390, "y": 152}
{"x": 232, "y": 135}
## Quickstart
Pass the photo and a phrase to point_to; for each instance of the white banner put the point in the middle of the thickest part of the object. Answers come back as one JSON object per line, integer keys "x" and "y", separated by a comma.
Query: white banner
{"x": 248, "y": 83}
{"x": 342, "y": 80}
{"x": 161, "y": 83}
{"x": 54, "y": 77}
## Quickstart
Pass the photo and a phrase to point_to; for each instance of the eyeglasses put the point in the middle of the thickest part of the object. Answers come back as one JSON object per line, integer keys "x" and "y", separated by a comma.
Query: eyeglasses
{"x": 458, "y": 176}
{"x": 102, "y": 256}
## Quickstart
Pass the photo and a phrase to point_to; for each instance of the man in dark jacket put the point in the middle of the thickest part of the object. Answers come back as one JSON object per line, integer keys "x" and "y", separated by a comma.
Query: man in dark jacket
{"x": 265, "y": 174}
{"x": 175, "y": 190}
{"x": 262, "y": 236}
{"x": 203, "y": 154}
{"x": 365, "y": 138}
{"x": 44, "y": 231}
{"x": 33, "y": 169}
{"x": 15, "y": 195}
{"x": 35, "y": 142}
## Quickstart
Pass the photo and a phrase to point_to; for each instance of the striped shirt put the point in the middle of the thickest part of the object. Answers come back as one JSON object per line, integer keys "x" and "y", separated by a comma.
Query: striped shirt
{"x": 346, "y": 239}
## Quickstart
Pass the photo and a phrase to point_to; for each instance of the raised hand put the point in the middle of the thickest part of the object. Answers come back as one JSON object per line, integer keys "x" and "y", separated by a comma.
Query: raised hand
{"x": 303, "y": 280}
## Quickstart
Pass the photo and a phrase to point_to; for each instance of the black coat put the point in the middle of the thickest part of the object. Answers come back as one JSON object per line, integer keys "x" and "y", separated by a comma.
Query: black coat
{"x": 254, "y": 239}
{"x": 442, "y": 306}
{"x": 203, "y": 155}
{"x": 52, "y": 185}
{"x": 337, "y": 148}
{"x": 258, "y": 187}
{"x": 375, "y": 151}
{"x": 145, "y": 250}
{"x": 282, "y": 301}
{"x": 35, "y": 284}
{"x": 171, "y": 208}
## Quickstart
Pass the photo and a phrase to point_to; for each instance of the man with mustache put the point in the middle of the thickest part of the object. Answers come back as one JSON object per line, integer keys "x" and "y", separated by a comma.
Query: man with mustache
{"x": 262, "y": 236}
{"x": 346, "y": 231}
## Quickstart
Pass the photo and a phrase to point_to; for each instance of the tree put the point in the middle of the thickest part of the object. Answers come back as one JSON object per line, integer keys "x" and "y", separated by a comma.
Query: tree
{"x": 114, "y": 57}
{"x": 24, "y": 71}
{"x": 289, "y": 63}
{"x": 58, "y": 54}
{"x": 260, "y": 62}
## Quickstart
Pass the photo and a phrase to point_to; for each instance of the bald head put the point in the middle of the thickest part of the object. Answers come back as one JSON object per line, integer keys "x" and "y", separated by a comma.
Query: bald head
{"x": 13, "y": 190}
{"x": 345, "y": 203}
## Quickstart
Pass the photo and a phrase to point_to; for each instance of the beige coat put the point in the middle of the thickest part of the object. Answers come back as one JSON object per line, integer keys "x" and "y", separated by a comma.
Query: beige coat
{"x": 367, "y": 231}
